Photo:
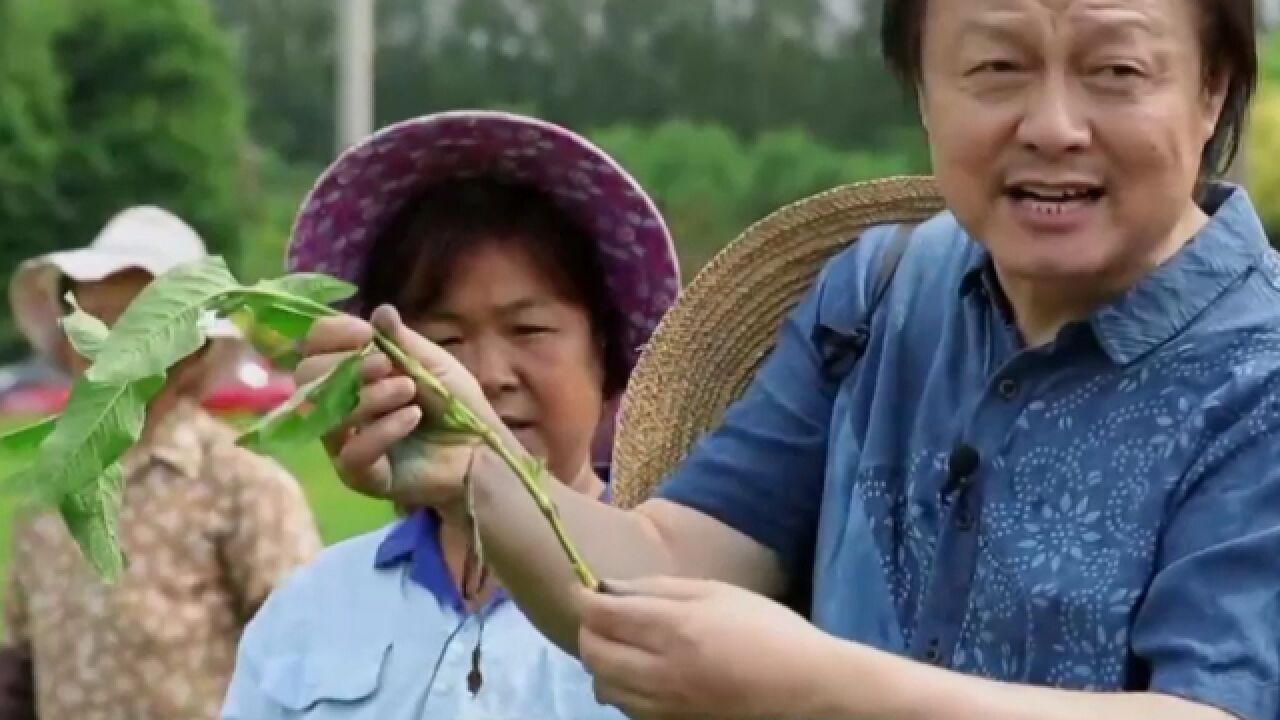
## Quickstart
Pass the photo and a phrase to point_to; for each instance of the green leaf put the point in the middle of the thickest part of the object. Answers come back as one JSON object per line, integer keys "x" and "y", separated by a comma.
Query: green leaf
{"x": 91, "y": 516}
{"x": 329, "y": 399}
{"x": 27, "y": 438}
{"x": 86, "y": 332}
{"x": 290, "y": 322}
{"x": 316, "y": 287}
{"x": 98, "y": 425}
{"x": 162, "y": 326}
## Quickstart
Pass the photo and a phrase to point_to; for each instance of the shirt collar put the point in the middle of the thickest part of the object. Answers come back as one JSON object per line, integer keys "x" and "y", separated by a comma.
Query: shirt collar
{"x": 416, "y": 540}
{"x": 1169, "y": 298}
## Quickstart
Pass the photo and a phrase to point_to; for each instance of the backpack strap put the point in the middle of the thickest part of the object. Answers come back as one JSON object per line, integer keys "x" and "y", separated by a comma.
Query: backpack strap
{"x": 841, "y": 351}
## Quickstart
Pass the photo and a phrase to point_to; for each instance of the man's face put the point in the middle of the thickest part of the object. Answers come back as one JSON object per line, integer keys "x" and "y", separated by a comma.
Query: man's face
{"x": 1067, "y": 134}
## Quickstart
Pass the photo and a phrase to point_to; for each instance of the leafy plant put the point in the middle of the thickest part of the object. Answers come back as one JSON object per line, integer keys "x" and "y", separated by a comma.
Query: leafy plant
{"x": 77, "y": 469}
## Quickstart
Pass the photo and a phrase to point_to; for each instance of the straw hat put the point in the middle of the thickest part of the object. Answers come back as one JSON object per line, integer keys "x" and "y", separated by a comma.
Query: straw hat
{"x": 143, "y": 237}
{"x": 708, "y": 347}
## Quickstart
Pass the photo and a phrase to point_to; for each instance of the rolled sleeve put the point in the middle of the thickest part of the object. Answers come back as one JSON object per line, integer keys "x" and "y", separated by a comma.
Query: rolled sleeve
{"x": 1209, "y": 628}
{"x": 761, "y": 471}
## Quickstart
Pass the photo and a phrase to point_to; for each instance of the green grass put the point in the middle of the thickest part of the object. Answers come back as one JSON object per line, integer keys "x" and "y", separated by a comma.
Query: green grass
{"x": 340, "y": 513}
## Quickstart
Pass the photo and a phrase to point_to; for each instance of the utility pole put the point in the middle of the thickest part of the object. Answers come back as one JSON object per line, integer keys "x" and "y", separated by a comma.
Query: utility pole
{"x": 354, "y": 69}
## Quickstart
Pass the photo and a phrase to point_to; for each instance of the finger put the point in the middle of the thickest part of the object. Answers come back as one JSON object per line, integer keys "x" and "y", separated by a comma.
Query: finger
{"x": 659, "y": 586}
{"x": 382, "y": 398}
{"x": 337, "y": 334}
{"x": 376, "y": 367}
{"x": 639, "y": 620}
{"x": 635, "y": 706}
{"x": 619, "y": 665}
{"x": 315, "y": 366}
{"x": 434, "y": 358}
{"x": 371, "y": 443}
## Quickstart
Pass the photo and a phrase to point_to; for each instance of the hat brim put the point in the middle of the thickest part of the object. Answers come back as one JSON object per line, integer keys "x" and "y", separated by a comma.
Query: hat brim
{"x": 37, "y": 309}
{"x": 357, "y": 196}
{"x": 706, "y": 350}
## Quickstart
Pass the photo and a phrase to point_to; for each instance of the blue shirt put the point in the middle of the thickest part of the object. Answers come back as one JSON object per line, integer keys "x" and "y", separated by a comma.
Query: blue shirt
{"x": 356, "y": 635}
{"x": 1122, "y": 527}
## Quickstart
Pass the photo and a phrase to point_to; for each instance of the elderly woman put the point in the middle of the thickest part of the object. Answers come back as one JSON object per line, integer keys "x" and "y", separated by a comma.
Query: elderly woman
{"x": 1057, "y": 440}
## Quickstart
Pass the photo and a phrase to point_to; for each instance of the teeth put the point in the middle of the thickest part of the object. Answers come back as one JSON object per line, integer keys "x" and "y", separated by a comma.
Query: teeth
{"x": 1054, "y": 193}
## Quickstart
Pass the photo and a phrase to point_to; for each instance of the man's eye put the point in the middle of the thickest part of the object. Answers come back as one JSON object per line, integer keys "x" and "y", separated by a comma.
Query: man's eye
{"x": 996, "y": 66}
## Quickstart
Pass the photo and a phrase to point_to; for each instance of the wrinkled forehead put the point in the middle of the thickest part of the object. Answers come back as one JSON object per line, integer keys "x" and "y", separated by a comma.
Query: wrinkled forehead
{"x": 1082, "y": 21}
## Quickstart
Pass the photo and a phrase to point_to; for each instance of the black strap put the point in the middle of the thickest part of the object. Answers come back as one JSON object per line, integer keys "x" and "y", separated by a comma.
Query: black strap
{"x": 841, "y": 351}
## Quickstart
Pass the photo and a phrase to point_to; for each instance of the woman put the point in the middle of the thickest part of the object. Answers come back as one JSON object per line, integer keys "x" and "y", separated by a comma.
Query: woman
{"x": 208, "y": 527}
{"x": 542, "y": 267}
{"x": 1058, "y": 440}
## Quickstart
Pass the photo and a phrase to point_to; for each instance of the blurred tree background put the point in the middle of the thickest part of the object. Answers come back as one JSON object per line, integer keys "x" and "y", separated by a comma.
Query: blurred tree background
{"x": 223, "y": 110}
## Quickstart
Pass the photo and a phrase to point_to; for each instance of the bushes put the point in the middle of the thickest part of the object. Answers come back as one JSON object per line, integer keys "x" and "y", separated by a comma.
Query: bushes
{"x": 709, "y": 184}
{"x": 1263, "y": 141}
{"x": 109, "y": 103}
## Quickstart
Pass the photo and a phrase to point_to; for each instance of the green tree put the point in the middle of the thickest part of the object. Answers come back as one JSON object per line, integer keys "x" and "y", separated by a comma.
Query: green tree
{"x": 154, "y": 115}
{"x": 31, "y": 130}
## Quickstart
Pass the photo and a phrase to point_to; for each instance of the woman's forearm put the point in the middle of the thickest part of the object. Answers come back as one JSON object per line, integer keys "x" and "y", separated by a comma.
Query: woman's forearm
{"x": 522, "y": 550}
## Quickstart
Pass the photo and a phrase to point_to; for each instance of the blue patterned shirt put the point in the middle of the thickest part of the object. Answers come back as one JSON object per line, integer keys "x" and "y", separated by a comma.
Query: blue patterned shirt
{"x": 1120, "y": 528}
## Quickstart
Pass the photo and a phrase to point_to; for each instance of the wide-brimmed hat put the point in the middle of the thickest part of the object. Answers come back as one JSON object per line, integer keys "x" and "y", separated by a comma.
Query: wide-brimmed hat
{"x": 708, "y": 347}
{"x": 360, "y": 193}
{"x": 143, "y": 237}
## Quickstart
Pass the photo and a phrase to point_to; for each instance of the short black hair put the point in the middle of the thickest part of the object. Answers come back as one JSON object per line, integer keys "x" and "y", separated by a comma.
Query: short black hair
{"x": 414, "y": 255}
{"x": 1228, "y": 44}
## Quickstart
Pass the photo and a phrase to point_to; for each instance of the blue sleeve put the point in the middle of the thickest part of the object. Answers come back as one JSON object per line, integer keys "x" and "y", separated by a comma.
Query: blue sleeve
{"x": 761, "y": 471}
{"x": 1209, "y": 628}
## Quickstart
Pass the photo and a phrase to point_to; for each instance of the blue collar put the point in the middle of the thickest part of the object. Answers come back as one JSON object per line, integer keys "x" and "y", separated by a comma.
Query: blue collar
{"x": 416, "y": 540}
{"x": 1165, "y": 302}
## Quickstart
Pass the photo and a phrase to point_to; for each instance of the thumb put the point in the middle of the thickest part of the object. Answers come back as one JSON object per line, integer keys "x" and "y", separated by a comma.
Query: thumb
{"x": 666, "y": 586}
{"x": 435, "y": 359}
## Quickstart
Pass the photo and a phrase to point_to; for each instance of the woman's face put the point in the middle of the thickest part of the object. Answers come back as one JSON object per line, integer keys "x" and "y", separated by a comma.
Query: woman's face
{"x": 533, "y": 352}
{"x": 1067, "y": 134}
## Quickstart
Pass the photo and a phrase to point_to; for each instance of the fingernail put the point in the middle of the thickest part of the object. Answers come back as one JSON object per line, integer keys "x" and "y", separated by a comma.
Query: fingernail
{"x": 611, "y": 587}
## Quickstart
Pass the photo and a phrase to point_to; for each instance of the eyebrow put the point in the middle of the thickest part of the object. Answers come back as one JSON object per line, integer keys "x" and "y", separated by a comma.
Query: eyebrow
{"x": 512, "y": 308}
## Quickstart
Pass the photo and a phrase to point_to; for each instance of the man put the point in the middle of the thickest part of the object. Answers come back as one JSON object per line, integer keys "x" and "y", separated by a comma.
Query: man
{"x": 1058, "y": 447}
{"x": 209, "y": 528}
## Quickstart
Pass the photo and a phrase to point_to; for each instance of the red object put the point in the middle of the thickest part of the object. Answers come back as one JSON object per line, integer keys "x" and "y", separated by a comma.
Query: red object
{"x": 231, "y": 397}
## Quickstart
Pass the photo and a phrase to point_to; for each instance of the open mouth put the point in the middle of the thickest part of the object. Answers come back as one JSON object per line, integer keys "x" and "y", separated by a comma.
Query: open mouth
{"x": 516, "y": 424}
{"x": 1059, "y": 194}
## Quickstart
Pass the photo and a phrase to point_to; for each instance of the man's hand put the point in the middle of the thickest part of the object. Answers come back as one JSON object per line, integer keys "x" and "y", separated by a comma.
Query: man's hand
{"x": 679, "y": 648}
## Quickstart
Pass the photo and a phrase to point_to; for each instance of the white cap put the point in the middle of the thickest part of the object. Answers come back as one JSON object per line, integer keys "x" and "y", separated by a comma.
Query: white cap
{"x": 144, "y": 237}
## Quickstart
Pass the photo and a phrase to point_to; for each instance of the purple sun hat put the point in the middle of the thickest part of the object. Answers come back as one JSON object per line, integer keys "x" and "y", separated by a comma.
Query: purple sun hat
{"x": 367, "y": 186}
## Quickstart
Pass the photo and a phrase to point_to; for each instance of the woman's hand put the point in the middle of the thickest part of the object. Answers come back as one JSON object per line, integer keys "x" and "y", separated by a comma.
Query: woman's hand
{"x": 680, "y": 648}
{"x": 384, "y": 449}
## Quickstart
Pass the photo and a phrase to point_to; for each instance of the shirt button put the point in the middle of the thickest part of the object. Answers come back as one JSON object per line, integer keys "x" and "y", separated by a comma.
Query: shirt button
{"x": 1008, "y": 388}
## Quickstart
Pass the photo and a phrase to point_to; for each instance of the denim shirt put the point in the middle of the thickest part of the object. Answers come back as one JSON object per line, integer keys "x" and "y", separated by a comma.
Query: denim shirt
{"x": 358, "y": 635}
{"x": 1120, "y": 528}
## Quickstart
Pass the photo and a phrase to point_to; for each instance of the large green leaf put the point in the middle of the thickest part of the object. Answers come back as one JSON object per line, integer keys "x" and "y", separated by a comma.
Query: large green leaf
{"x": 316, "y": 287}
{"x": 87, "y": 333}
{"x": 313, "y": 410}
{"x": 161, "y": 326}
{"x": 27, "y": 438}
{"x": 91, "y": 516}
{"x": 98, "y": 425}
